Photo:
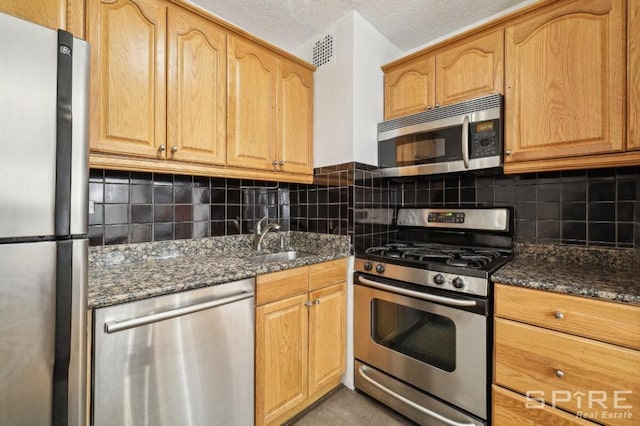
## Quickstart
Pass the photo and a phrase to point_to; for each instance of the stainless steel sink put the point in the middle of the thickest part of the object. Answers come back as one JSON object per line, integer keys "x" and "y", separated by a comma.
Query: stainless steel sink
{"x": 278, "y": 257}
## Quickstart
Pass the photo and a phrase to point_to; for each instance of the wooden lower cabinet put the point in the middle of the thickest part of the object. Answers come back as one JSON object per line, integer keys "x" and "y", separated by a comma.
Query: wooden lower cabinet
{"x": 281, "y": 357}
{"x": 327, "y": 328}
{"x": 543, "y": 349}
{"x": 300, "y": 339}
{"x": 513, "y": 409}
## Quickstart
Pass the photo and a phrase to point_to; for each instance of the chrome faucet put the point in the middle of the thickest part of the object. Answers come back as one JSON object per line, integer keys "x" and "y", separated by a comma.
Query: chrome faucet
{"x": 260, "y": 232}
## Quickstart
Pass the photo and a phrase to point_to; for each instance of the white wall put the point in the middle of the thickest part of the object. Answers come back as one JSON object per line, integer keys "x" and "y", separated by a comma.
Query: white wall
{"x": 348, "y": 104}
{"x": 371, "y": 51}
{"x": 348, "y": 92}
{"x": 333, "y": 97}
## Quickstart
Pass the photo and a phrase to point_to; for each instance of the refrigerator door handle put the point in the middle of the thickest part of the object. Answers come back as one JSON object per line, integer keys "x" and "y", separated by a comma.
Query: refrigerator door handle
{"x": 63, "y": 134}
{"x": 62, "y": 351}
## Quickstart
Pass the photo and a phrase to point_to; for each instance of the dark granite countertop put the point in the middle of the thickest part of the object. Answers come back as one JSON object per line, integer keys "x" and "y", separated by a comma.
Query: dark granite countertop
{"x": 133, "y": 272}
{"x": 607, "y": 274}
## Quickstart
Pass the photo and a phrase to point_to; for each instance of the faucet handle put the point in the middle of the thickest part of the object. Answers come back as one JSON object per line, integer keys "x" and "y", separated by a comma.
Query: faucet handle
{"x": 259, "y": 225}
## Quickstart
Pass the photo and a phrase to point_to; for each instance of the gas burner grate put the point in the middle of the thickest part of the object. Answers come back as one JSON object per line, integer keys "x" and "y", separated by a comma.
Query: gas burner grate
{"x": 467, "y": 257}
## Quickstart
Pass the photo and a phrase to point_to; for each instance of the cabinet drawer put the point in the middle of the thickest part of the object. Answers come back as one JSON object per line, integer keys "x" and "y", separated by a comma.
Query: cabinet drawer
{"x": 607, "y": 321}
{"x": 555, "y": 365}
{"x": 327, "y": 273}
{"x": 278, "y": 285}
{"x": 510, "y": 408}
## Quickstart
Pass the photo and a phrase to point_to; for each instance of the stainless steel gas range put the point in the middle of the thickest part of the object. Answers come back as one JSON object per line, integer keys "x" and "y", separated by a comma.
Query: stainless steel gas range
{"x": 423, "y": 313}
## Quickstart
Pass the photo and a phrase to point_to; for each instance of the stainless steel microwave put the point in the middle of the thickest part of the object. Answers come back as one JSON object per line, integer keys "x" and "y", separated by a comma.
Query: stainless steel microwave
{"x": 460, "y": 137}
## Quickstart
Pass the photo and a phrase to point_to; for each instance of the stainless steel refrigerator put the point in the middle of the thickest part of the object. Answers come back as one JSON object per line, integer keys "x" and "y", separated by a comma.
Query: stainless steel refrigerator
{"x": 43, "y": 224}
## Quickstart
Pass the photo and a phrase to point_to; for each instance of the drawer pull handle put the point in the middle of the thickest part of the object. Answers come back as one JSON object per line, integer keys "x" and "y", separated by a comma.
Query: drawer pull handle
{"x": 559, "y": 315}
{"x": 559, "y": 374}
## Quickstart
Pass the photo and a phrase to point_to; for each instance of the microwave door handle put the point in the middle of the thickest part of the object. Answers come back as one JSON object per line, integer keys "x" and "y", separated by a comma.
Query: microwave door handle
{"x": 465, "y": 141}
{"x": 418, "y": 295}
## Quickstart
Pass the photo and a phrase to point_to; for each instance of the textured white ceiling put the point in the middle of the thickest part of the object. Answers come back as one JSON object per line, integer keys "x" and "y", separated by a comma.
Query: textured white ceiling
{"x": 406, "y": 23}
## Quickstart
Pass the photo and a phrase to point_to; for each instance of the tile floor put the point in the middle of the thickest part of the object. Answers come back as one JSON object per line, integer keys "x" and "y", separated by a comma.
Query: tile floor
{"x": 348, "y": 408}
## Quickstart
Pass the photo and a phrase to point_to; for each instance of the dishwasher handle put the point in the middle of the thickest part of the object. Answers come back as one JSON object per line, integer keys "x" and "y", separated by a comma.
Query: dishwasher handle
{"x": 115, "y": 326}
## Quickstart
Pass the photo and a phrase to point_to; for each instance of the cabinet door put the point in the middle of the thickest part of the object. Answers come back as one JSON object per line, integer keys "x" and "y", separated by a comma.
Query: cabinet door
{"x": 251, "y": 105}
{"x": 53, "y": 14}
{"x": 327, "y": 327}
{"x": 294, "y": 129}
{"x": 127, "y": 76}
{"x": 470, "y": 70}
{"x": 410, "y": 88}
{"x": 281, "y": 357}
{"x": 564, "y": 81}
{"x": 633, "y": 74}
{"x": 196, "y": 104}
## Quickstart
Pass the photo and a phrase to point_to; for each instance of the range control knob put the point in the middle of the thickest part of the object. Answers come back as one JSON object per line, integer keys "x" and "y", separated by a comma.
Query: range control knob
{"x": 367, "y": 266}
{"x": 458, "y": 282}
{"x": 380, "y": 268}
{"x": 439, "y": 279}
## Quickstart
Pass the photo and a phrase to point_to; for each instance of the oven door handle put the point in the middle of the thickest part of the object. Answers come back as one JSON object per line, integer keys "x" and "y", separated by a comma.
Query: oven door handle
{"x": 417, "y": 294}
{"x": 433, "y": 414}
{"x": 465, "y": 141}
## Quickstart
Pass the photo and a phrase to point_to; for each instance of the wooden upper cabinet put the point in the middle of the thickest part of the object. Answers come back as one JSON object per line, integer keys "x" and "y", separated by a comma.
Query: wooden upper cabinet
{"x": 410, "y": 87}
{"x": 251, "y": 104}
{"x": 469, "y": 70}
{"x": 633, "y": 74}
{"x": 55, "y": 14}
{"x": 564, "y": 81}
{"x": 127, "y": 76}
{"x": 294, "y": 131}
{"x": 196, "y": 103}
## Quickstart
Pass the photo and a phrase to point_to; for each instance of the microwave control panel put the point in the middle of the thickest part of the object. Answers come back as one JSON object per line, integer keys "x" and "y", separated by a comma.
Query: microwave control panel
{"x": 485, "y": 139}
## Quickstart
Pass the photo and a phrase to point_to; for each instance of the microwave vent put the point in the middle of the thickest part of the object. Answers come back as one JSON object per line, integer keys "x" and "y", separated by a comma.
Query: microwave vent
{"x": 467, "y": 107}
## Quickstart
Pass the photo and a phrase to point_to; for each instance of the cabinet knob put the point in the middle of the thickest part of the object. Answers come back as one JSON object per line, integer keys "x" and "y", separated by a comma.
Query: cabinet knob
{"x": 274, "y": 163}
{"x": 316, "y": 302}
{"x": 174, "y": 148}
{"x": 428, "y": 107}
{"x": 162, "y": 147}
{"x": 437, "y": 105}
{"x": 281, "y": 163}
{"x": 508, "y": 152}
{"x": 308, "y": 303}
{"x": 559, "y": 374}
{"x": 559, "y": 315}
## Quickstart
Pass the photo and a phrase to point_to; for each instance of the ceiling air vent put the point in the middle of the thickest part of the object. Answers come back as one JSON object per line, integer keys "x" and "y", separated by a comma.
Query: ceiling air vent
{"x": 323, "y": 50}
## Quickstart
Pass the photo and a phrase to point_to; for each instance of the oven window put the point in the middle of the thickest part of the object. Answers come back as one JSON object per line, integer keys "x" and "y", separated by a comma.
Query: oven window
{"x": 421, "y": 335}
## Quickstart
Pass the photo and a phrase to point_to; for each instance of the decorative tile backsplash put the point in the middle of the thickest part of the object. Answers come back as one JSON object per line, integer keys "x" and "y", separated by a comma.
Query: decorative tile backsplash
{"x": 589, "y": 208}
{"x": 135, "y": 207}
{"x": 595, "y": 207}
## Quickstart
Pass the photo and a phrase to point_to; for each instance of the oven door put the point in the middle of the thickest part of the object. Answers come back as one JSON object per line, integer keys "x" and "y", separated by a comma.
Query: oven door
{"x": 438, "y": 347}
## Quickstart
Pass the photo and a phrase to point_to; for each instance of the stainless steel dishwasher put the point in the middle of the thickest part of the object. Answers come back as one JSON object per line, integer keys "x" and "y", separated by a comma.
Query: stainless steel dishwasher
{"x": 181, "y": 359}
